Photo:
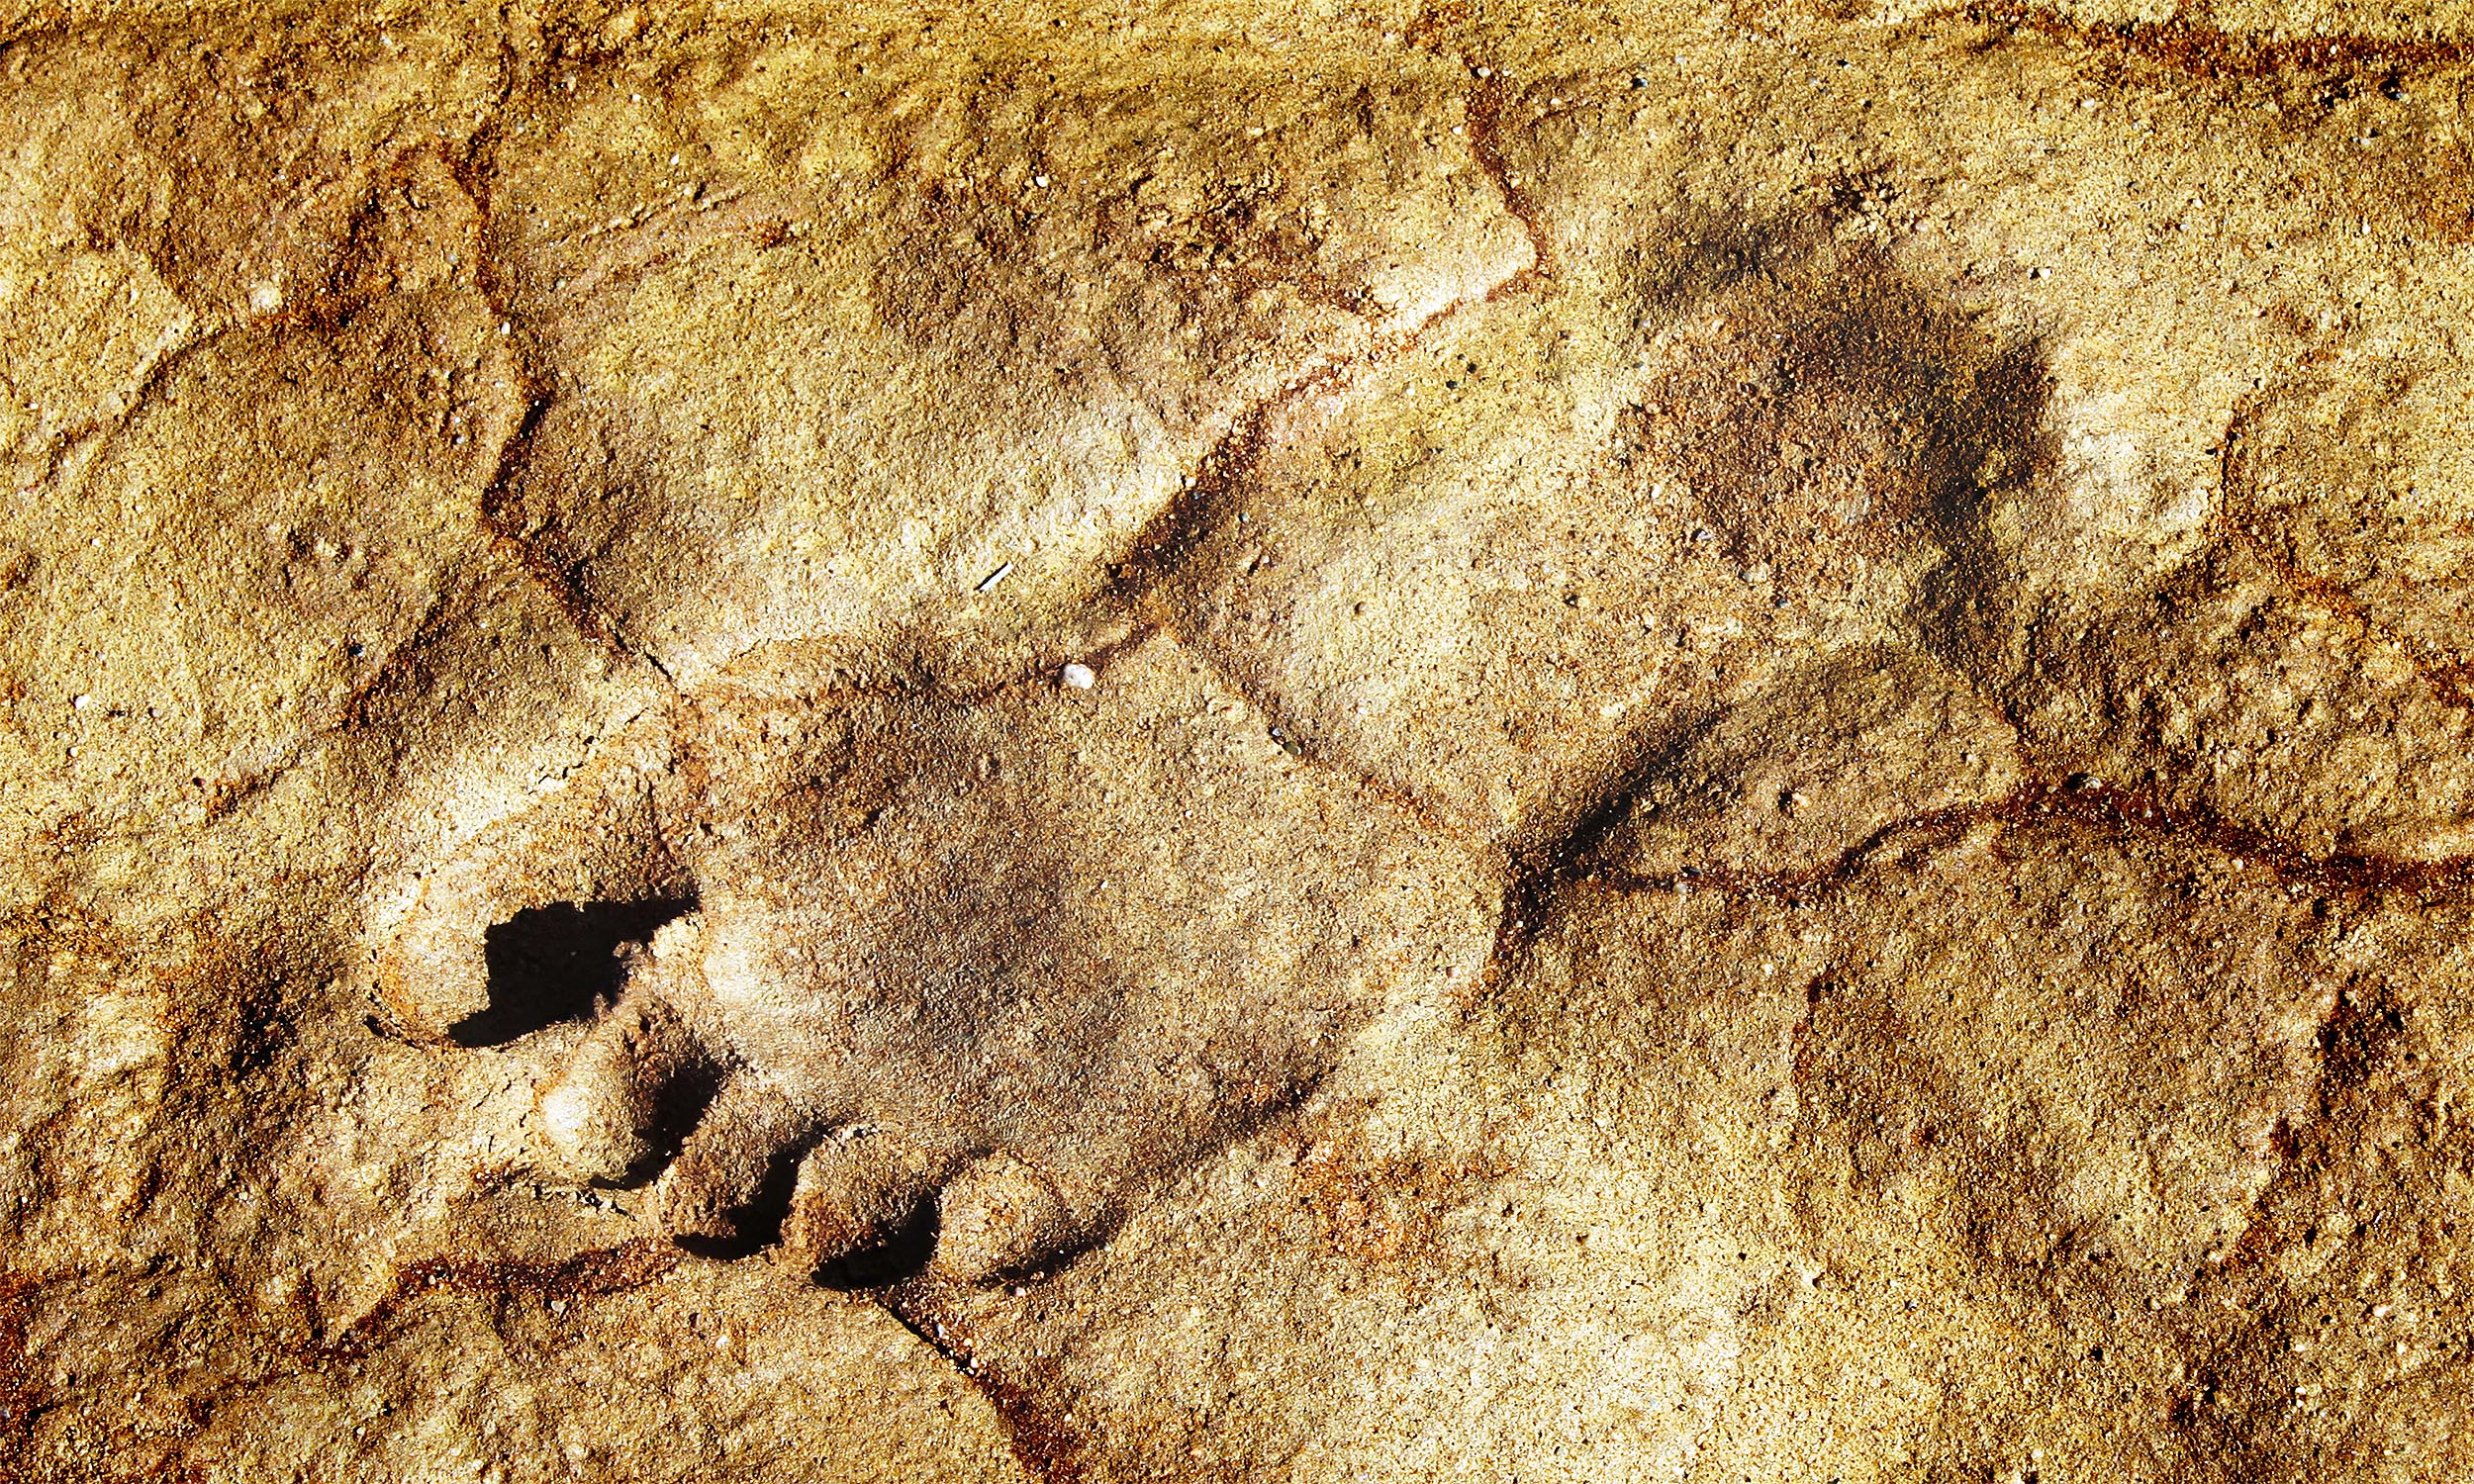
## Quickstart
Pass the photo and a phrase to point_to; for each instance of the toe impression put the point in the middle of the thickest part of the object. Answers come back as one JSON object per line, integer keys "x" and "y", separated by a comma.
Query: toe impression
{"x": 856, "y": 1190}
{"x": 1000, "y": 1215}
{"x": 597, "y": 1120}
{"x": 716, "y": 1188}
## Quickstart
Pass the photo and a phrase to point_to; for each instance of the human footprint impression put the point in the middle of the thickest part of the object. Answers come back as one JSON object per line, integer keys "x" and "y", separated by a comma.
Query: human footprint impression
{"x": 980, "y": 970}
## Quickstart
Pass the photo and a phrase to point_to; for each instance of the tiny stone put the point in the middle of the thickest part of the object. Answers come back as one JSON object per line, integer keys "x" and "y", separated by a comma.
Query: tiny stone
{"x": 1079, "y": 676}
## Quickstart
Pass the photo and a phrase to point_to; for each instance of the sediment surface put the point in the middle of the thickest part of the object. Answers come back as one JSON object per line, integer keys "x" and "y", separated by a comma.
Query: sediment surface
{"x": 1236, "y": 742}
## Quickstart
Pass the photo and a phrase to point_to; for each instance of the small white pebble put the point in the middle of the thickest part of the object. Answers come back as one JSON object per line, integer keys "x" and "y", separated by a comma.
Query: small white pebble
{"x": 1079, "y": 676}
{"x": 81, "y": 701}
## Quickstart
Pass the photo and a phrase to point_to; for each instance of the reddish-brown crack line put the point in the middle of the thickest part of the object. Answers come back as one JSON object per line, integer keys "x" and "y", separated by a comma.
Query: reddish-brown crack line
{"x": 2201, "y": 50}
{"x": 1302, "y": 745}
{"x": 2116, "y": 810}
{"x": 315, "y": 314}
{"x": 2349, "y": 1037}
{"x": 587, "y": 1274}
{"x": 1483, "y": 109}
{"x": 659, "y": 236}
{"x": 316, "y": 311}
{"x": 2121, "y": 811}
{"x": 1486, "y": 143}
{"x": 2236, "y": 521}
{"x": 1047, "y": 1450}
{"x": 475, "y": 170}
{"x": 224, "y": 795}
{"x": 1210, "y": 498}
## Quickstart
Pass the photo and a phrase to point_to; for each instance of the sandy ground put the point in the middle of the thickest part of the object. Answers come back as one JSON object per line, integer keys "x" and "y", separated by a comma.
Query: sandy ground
{"x": 1222, "y": 743}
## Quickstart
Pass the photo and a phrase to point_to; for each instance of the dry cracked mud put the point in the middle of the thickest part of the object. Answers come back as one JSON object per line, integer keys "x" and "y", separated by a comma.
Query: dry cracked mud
{"x": 1212, "y": 741}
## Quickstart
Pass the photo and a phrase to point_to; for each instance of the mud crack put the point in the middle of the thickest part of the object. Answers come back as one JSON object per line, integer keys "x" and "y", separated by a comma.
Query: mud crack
{"x": 2237, "y": 521}
{"x": 587, "y": 1274}
{"x": 2198, "y": 49}
{"x": 2122, "y": 812}
{"x": 1046, "y": 1448}
{"x": 475, "y": 169}
{"x": 1485, "y": 143}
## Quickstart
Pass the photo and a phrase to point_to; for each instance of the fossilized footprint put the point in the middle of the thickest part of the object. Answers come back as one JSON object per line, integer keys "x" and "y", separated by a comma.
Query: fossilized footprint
{"x": 1645, "y": 534}
{"x": 1013, "y": 958}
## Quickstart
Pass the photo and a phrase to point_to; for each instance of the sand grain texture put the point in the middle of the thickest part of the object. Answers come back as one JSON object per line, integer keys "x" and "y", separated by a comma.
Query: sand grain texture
{"x": 1720, "y": 742}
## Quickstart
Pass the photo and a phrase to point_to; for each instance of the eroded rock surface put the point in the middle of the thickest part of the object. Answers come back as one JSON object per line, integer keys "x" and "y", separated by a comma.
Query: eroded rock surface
{"x": 1696, "y": 742}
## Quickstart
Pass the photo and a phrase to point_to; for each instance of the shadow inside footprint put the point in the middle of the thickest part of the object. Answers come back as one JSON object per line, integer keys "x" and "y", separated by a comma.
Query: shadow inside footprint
{"x": 558, "y": 963}
{"x": 755, "y": 1222}
{"x": 903, "y": 1254}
